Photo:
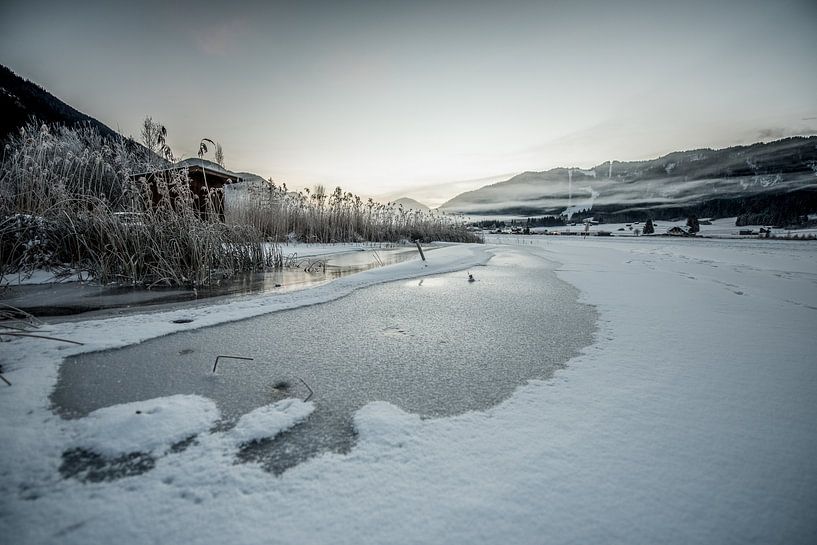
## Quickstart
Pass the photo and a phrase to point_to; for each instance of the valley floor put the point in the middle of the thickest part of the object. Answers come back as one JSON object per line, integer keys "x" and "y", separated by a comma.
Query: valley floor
{"x": 690, "y": 419}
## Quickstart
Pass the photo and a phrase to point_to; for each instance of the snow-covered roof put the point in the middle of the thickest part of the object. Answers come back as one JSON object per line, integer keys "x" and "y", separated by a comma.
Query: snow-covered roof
{"x": 203, "y": 164}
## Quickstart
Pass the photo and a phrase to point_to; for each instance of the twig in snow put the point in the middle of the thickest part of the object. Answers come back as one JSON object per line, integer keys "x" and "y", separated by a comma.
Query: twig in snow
{"x": 18, "y": 334}
{"x": 311, "y": 393}
{"x": 230, "y": 357}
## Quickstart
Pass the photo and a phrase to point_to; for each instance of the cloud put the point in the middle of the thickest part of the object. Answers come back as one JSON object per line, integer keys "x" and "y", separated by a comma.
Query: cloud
{"x": 220, "y": 39}
{"x": 779, "y": 132}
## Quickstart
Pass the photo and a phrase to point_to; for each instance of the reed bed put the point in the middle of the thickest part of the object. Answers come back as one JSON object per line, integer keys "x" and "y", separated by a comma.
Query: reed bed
{"x": 315, "y": 216}
{"x": 68, "y": 198}
{"x": 73, "y": 200}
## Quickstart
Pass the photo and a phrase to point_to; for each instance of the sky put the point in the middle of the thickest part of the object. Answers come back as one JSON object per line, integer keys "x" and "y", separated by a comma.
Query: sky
{"x": 426, "y": 99}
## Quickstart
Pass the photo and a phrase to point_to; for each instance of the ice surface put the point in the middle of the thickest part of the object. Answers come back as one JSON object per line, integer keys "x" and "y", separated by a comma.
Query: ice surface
{"x": 71, "y": 297}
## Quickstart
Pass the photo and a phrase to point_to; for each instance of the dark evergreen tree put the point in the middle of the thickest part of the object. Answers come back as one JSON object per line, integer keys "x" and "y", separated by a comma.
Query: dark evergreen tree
{"x": 693, "y": 224}
{"x": 649, "y": 228}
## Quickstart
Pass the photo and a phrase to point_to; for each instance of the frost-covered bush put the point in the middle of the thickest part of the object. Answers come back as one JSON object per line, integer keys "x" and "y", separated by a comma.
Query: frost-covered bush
{"x": 29, "y": 242}
{"x": 69, "y": 197}
{"x": 45, "y": 166}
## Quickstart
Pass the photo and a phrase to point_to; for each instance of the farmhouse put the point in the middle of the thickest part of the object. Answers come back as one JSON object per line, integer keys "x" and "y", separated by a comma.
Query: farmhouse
{"x": 677, "y": 232}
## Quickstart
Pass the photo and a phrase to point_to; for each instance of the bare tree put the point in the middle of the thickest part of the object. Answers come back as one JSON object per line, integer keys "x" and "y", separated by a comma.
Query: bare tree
{"x": 152, "y": 136}
{"x": 219, "y": 155}
{"x": 693, "y": 224}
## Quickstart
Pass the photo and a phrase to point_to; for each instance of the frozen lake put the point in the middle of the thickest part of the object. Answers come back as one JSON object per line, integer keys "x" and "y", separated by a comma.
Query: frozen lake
{"x": 436, "y": 346}
{"x": 689, "y": 420}
{"x": 301, "y": 271}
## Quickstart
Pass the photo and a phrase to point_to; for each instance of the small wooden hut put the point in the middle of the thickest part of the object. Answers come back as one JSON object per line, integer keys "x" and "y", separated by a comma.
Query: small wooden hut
{"x": 203, "y": 179}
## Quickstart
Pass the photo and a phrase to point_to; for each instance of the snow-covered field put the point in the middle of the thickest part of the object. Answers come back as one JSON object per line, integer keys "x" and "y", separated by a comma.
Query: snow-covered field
{"x": 720, "y": 228}
{"x": 691, "y": 419}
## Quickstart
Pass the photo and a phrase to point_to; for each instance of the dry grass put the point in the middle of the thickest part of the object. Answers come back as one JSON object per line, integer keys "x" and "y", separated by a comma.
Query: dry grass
{"x": 315, "y": 216}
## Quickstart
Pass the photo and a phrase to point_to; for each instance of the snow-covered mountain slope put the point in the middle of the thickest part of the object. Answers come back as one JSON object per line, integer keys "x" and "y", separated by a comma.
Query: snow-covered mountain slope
{"x": 659, "y": 187}
{"x": 411, "y": 204}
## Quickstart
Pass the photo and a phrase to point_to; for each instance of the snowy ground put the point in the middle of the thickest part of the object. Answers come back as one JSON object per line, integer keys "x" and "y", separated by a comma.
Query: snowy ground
{"x": 689, "y": 420}
{"x": 721, "y": 228}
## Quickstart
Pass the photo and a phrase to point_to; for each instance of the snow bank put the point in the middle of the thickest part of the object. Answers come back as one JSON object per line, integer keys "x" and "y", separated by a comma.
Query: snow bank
{"x": 270, "y": 420}
{"x": 383, "y": 424}
{"x": 145, "y": 426}
{"x": 316, "y": 249}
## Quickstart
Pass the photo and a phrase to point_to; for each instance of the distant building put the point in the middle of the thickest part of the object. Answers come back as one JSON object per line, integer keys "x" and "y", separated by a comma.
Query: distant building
{"x": 677, "y": 232}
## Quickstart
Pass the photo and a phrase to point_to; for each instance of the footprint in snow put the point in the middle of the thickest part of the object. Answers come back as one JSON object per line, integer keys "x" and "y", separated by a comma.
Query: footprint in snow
{"x": 394, "y": 332}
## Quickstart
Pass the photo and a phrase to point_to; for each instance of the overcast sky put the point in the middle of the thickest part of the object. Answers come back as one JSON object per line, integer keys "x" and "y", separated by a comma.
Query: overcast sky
{"x": 380, "y": 97}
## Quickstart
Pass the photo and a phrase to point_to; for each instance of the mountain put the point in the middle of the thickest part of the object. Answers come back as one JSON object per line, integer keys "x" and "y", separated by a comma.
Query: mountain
{"x": 775, "y": 181}
{"x": 22, "y": 100}
{"x": 411, "y": 204}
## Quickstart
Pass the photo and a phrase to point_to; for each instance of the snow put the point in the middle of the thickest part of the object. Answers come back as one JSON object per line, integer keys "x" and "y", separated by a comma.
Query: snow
{"x": 145, "y": 426}
{"x": 381, "y": 423}
{"x": 689, "y": 420}
{"x": 270, "y": 420}
{"x": 315, "y": 250}
{"x": 155, "y": 425}
{"x": 584, "y": 206}
{"x": 721, "y": 228}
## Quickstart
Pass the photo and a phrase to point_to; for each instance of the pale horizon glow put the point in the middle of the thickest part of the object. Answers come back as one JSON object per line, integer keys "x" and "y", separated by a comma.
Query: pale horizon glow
{"x": 405, "y": 99}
